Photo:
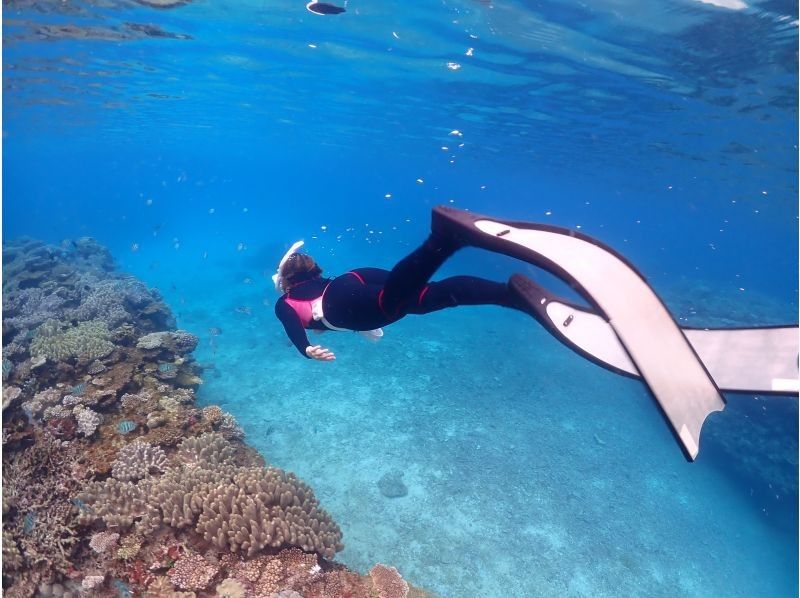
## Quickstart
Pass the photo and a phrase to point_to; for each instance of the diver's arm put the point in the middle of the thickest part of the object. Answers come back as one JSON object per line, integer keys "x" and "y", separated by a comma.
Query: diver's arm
{"x": 293, "y": 326}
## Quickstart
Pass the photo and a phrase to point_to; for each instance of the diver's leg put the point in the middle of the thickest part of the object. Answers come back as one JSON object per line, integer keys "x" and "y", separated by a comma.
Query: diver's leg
{"x": 370, "y": 275}
{"x": 460, "y": 290}
{"x": 412, "y": 273}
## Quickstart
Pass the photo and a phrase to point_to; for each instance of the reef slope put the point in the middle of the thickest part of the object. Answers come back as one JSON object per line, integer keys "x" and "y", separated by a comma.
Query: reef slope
{"x": 114, "y": 482}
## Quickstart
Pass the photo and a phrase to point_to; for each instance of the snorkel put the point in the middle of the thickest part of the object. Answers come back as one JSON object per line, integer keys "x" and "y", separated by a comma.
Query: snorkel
{"x": 277, "y": 278}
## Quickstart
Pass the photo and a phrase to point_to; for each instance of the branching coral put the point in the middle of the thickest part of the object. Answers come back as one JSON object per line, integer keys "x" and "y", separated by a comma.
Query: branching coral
{"x": 256, "y": 508}
{"x": 26, "y": 309}
{"x": 87, "y": 419}
{"x": 244, "y": 509}
{"x": 58, "y": 342}
{"x": 117, "y": 503}
{"x": 205, "y": 450}
{"x": 101, "y": 302}
{"x": 12, "y": 559}
{"x": 137, "y": 460}
{"x": 38, "y": 482}
{"x": 35, "y": 408}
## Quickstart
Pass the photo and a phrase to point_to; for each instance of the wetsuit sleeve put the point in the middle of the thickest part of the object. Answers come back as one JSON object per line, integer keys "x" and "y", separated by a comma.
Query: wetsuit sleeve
{"x": 293, "y": 326}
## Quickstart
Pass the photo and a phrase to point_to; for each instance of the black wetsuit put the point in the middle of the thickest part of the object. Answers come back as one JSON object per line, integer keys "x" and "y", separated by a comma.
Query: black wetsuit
{"x": 370, "y": 298}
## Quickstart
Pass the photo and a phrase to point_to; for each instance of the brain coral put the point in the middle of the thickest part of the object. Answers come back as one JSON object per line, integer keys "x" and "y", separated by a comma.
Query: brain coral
{"x": 244, "y": 509}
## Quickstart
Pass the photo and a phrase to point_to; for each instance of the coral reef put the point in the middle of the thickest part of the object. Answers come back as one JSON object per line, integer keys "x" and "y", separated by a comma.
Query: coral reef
{"x": 103, "y": 541}
{"x": 239, "y": 508}
{"x": 388, "y": 582}
{"x": 136, "y": 460}
{"x": 114, "y": 482}
{"x": 58, "y": 342}
{"x": 192, "y": 572}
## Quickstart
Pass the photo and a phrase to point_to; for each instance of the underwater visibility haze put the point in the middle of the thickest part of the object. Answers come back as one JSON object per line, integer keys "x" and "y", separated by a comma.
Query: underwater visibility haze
{"x": 194, "y": 142}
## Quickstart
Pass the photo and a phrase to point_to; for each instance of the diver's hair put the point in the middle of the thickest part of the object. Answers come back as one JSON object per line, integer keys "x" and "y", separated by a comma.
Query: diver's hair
{"x": 299, "y": 267}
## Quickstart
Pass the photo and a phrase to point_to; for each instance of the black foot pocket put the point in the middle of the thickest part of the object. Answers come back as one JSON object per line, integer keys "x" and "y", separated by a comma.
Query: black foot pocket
{"x": 527, "y": 296}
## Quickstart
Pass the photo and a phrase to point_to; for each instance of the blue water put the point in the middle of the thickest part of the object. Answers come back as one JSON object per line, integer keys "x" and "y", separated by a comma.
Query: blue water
{"x": 197, "y": 148}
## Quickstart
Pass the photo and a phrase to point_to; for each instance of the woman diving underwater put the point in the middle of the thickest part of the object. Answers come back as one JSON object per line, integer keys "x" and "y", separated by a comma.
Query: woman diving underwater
{"x": 366, "y": 299}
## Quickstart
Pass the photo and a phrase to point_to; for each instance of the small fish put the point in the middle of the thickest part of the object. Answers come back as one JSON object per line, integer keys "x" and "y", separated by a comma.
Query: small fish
{"x": 78, "y": 389}
{"x": 248, "y": 280}
{"x": 122, "y": 588}
{"x": 134, "y": 247}
{"x": 165, "y": 367}
{"x": 82, "y": 506}
{"x": 214, "y": 331}
{"x": 241, "y": 247}
{"x": 29, "y": 523}
{"x": 244, "y": 310}
{"x": 126, "y": 426}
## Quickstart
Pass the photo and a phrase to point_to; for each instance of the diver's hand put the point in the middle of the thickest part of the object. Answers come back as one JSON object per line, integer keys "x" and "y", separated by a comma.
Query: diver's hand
{"x": 320, "y": 353}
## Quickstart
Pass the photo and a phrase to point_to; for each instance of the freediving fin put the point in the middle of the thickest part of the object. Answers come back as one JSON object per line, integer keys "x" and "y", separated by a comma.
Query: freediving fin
{"x": 757, "y": 360}
{"x": 628, "y": 328}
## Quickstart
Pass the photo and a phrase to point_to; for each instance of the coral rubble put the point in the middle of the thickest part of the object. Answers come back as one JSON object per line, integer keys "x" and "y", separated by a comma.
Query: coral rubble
{"x": 114, "y": 483}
